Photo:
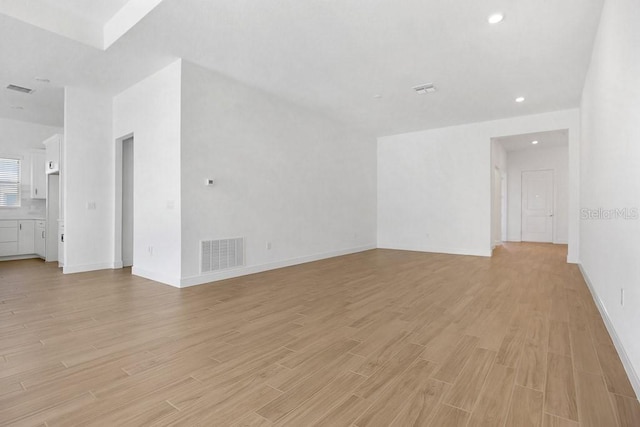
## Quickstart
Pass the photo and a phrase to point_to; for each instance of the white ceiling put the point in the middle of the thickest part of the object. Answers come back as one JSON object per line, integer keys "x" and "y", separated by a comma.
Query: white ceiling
{"x": 555, "y": 138}
{"x": 96, "y": 11}
{"x": 334, "y": 56}
{"x": 43, "y": 106}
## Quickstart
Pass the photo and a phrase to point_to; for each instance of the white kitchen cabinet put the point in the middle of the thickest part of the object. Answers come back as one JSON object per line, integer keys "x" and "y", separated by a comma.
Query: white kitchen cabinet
{"x": 8, "y": 237}
{"x": 26, "y": 237}
{"x": 40, "y": 239}
{"x": 38, "y": 174}
{"x": 52, "y": 159}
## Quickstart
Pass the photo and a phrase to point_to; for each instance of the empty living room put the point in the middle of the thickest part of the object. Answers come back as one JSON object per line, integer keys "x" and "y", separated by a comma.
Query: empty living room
{"x": 320, "y": 213}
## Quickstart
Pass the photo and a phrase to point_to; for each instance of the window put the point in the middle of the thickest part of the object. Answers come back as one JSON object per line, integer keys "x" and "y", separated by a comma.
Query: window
{"x": 9, "y": 183}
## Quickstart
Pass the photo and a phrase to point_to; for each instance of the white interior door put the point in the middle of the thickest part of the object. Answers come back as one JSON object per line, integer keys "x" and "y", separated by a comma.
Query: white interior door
{"x": 537, "y": 206}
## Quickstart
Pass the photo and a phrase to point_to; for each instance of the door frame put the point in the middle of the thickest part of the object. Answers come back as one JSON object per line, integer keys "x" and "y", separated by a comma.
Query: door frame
{"x": 498, "y": 207}
{"x": 117, "y": 228}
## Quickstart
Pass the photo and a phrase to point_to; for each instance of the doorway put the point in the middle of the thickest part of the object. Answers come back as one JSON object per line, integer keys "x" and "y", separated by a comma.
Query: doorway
{"x": 124, "y": 202}
{"x": 52, "y": 240}
{"x": 537, "y": 206}
{"x": 127, "y": 202}
{"x": 497, "y": 208}
{"x": 537, "y": 190}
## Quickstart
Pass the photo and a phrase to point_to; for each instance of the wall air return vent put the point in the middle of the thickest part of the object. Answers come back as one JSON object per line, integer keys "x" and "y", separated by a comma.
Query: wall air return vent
{"x": 216, "y": 255}
{"x": 20, "y": 89}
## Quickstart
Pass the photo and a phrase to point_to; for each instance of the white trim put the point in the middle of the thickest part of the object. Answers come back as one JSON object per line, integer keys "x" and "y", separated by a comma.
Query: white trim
{"x": 439, "y": 250}
{"x": 572, "y": 259}
{"x": 624, "y": 357}
{"x": 228, "y": 274}
{"x": 18, "y": 257}
{"x": 152, "y": 275}
{"x": 70, "y": 269}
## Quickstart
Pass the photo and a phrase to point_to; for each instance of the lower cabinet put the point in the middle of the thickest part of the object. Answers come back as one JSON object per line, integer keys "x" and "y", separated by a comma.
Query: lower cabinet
{"x": 40, "y": 239}
{"x": 18, "y": 237}
{"x": 26, "y": 237}
{"x": 8, "y": 237}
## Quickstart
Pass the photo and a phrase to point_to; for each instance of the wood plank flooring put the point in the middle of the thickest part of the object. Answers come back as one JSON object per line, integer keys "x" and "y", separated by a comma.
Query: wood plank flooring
{"x": 379, "y": 338}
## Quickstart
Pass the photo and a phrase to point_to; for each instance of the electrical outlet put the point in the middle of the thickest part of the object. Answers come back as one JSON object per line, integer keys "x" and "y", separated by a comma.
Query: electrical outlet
{"x": 622, "y": 297}
{"x": 150, "y": 249}
{"x": 91, "y": 206}
{"x": 268, "y": 246}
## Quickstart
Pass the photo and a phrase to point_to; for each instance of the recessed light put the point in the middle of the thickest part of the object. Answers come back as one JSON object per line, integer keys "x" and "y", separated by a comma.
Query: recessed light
{"x": 42, "y": 80}
{"x": 495, "y": 18}
{"x": 534, "y": 142}
{"x": 520, "y": 99}
{"x": 377, "y": 96}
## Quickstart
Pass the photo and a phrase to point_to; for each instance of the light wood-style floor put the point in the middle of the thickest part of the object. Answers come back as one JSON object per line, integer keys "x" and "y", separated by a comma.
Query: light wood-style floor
{"x": 377, "y": 338}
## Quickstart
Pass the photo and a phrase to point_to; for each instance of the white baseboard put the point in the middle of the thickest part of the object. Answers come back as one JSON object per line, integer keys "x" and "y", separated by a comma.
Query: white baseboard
{"x": 624, "y": 357}
{"x": 17, "y": 257}
{"x": 70, "y": 269}
{"x": 229, "y": 274}
{"x": 438, "y": 250}
{"x": 152, "y": 275}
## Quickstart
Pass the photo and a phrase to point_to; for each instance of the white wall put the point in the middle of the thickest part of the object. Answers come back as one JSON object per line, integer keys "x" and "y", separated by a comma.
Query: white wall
{"x": 88, "y": 178}
{"x": 17, "y": 139}
{"x": 553, "y": 158}
{"x": 283, "y": 174}
{"x": 150, "y": 110}
{"x": 610, "y": 175}
{"x": 434, "y": 186}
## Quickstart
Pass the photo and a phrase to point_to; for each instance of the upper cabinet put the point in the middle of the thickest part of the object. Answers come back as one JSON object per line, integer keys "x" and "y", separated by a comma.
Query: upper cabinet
{"x": 52, "y": 145}
{"x": 38, "y": 174}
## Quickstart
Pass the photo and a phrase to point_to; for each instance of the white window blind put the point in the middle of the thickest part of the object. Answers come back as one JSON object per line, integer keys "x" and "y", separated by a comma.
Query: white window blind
{"x": 9, "y": 182}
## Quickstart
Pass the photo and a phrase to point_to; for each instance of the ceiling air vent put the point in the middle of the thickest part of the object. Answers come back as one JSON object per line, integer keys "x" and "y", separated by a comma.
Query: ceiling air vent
{"x": 425, "y": 88}
{"x": 20, "y": 89}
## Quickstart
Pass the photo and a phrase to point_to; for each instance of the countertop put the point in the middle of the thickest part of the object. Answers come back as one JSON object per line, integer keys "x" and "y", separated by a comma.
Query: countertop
{"x": 20, "y": 217}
